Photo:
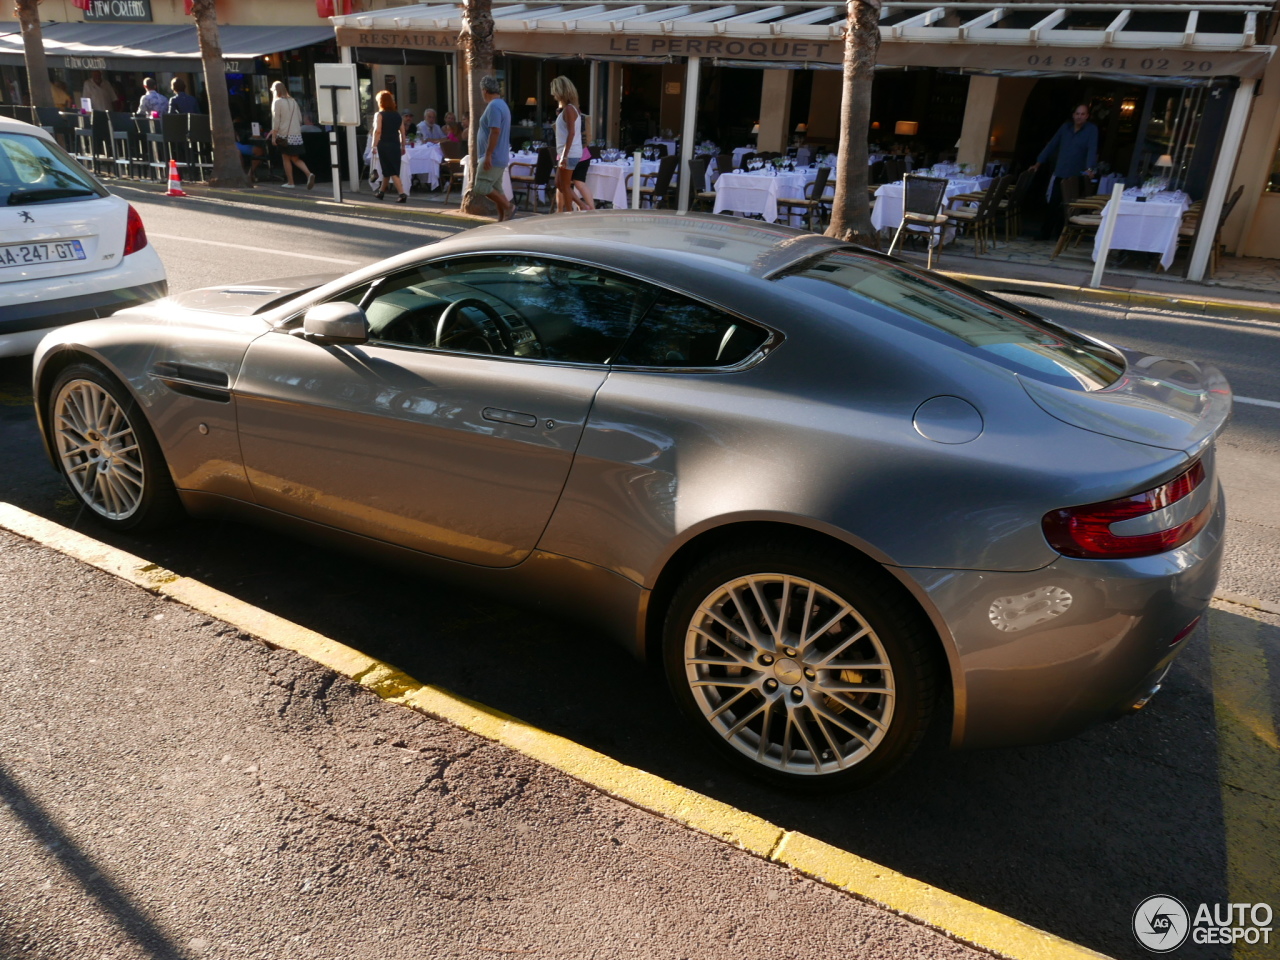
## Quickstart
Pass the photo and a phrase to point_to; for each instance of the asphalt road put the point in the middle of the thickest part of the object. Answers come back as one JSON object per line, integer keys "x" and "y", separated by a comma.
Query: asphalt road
{"x": 1068, "y": 837}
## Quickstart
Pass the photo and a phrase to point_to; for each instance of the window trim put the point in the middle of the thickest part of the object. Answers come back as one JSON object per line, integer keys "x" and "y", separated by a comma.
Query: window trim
{"x": 771, "y": 343}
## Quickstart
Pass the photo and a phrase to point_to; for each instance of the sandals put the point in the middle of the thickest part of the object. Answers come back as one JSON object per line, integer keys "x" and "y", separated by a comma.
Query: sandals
{"x": 381, "y": 193}
{"x": 404, "y": 198}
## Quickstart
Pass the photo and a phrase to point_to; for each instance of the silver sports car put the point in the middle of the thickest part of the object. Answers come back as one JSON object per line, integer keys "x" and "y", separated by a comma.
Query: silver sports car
{"x": 839, "y": 498}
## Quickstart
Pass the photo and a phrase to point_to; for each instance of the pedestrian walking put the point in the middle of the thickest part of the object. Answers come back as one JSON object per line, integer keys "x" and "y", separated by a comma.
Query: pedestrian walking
{"x": 493, "y": 141}
{"x": 568, "y": 142}
{"x": 388, "y": 140}
{"x": 286, "y": 133}
{"x": 1074, "y": 150}
{"x": 152, "y": 101}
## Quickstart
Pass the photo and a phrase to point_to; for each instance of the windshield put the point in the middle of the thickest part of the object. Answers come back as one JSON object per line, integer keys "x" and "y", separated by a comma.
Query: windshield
{"x": 959, "y": 316}
{"x": 34, "y": 170}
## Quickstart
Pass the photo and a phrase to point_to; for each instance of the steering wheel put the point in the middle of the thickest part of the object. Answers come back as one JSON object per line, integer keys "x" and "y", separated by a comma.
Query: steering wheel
{"x": 453, "y": 312}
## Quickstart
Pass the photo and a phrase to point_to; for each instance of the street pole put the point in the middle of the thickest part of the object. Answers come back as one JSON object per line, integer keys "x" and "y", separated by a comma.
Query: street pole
{"x": 1109, "y": 217}
{"x": 335, "y": 167}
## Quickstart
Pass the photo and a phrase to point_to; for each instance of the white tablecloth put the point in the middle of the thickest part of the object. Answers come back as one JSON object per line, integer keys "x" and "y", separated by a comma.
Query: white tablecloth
{"x": 887, "y": 213}
{"x": 608, "y": 181}
{"x": 669, "y": 144}
{"x": 506, "y": 178}
{"x": 423, "y": 160}
{"x": 1150, "y": 227}
{"x": 759, "y": 192}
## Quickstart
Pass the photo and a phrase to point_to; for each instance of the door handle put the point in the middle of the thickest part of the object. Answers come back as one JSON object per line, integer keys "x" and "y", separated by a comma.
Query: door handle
{"x": 509, "y": 416}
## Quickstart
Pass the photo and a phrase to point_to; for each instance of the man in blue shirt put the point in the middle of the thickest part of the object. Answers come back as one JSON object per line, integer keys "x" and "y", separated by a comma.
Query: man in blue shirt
{"x": 1076, "y": 148}
{"x": 181, "y": 101}
{"x": 493, "y": 141}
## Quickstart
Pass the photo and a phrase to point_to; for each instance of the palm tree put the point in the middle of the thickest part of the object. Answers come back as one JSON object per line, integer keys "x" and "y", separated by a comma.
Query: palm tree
{"x": 851, "y": 207}
{"x": 228, "y": 171}
{"x": 33, "y": 44}
{"x": 477, "y": 41}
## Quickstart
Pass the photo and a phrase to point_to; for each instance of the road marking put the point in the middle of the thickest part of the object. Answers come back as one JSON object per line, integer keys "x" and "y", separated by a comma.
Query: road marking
{"x": 956, "y": 917}
{"x": 1248, "y": 761}
{"x": 241, "y": 246}
{"x": 1259, "y": 403}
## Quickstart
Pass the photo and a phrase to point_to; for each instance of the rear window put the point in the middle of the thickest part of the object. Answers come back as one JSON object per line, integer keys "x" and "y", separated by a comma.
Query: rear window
{"x": 33, "y": 170}
{"x": 961, "y": 317}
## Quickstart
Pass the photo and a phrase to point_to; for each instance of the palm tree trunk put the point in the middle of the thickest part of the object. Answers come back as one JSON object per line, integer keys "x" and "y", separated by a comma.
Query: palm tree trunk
{"x": 477, "y": 41}
{"x": 228, "y": 171}
{"x": 851, "y": 207}
{"x": 38, "y": 84}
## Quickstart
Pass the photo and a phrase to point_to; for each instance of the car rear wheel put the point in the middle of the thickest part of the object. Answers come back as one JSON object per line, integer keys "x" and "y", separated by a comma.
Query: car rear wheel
{"x": 107, "y": 452}
{"x": 806, "y": 668}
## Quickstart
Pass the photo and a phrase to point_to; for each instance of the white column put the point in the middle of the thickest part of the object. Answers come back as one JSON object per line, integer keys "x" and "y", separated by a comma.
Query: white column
{"x": 593, "y": 99}
{"x": 353, "y": 154}
{"x": 1221, "y": 181}
{"x": 978, "y": 110}
{"x": 691, "y": 76}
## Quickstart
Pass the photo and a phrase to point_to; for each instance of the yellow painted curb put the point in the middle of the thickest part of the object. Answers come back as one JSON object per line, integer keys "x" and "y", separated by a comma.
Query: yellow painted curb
{"x": 1205, "y": 305}
{"x": 954, "y": 916}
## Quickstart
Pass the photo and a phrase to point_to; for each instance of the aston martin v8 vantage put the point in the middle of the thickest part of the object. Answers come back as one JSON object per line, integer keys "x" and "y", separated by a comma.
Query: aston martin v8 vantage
{"x": 836, "y": 497}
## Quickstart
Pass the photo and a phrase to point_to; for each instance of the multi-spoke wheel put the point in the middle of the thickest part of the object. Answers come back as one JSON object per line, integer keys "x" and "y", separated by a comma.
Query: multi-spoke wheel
{"x": 106, "y": 450}
{"x": 800, "y": 666}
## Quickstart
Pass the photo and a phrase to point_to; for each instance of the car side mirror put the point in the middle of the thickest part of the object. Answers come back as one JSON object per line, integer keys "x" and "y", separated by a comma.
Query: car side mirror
{"x": 334, "y": 323}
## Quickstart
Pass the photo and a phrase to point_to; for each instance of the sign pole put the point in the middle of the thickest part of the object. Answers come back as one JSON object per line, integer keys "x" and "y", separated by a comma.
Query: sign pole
{"x": 1108, "y": 230}
{"x": 333, "y": 140}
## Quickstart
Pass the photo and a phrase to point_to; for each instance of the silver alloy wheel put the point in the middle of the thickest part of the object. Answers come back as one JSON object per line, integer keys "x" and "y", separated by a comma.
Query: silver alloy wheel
{"x": 98, "y": 449}
{"x": 789, "y": 673}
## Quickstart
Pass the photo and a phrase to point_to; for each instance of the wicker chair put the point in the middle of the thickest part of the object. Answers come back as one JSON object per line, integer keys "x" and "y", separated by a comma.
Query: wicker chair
{"x": 922, "y": 208}
{"x": 1083, "y": 217}
{"x": 698, "y": 181}
{"x": 811, "y": 202}
{"x": 980, "y": 220}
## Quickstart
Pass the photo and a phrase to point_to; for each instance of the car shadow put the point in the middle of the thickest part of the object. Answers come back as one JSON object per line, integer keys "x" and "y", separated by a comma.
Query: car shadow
{"x": 1069, "y": 836}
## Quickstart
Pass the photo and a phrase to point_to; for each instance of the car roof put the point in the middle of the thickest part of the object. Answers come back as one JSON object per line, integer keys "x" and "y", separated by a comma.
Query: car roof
{"x": 730, "y": 244}
{"x": 8, "y": 125}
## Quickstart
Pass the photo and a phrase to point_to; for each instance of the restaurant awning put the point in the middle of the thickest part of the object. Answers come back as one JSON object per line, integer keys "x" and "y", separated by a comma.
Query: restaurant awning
{"x": 1198, "y": 38}
{"x": 153, "y": 47}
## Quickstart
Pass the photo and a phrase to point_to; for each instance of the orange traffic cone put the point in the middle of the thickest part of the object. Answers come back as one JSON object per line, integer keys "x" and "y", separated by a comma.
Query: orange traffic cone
{"x": 175, "y": 181}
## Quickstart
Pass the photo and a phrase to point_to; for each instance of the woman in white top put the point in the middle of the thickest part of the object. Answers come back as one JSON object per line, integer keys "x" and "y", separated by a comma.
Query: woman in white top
{"x": 286, "y": 133}
{"x": 568, "y": 140}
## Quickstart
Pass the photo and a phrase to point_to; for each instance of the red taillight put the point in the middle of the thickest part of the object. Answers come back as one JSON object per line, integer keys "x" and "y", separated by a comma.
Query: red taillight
{"x": 135, "y": 235}
{"x": 1086, "y": 531}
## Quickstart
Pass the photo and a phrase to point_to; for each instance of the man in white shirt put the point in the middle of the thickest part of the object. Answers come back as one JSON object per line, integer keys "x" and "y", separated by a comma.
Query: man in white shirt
{"x": 100, "y": 91}
{"x": 429, "y": 130}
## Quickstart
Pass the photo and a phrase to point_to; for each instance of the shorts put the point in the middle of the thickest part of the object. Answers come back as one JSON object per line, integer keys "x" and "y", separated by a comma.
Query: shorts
{"x": 580, "y": 171}
{"x": 487, "y": 181}
{"x": 389, "y": 159}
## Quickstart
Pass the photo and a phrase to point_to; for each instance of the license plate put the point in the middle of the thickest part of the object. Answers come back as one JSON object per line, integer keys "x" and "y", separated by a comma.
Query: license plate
{"x": 29, "y": 254}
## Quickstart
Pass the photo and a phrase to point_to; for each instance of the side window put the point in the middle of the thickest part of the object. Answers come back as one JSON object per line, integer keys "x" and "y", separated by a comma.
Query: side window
{"x": 510, "y": 306}
{"x": 679, "y": 332}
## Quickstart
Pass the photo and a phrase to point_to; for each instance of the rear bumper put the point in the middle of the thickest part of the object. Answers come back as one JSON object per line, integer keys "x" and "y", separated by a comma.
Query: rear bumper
{"x": 1043, "y": 655}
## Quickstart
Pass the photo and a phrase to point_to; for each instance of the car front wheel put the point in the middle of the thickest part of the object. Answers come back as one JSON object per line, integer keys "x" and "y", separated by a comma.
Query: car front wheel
{"x": 107, "y": 452}
{"x": 804, "y": 666}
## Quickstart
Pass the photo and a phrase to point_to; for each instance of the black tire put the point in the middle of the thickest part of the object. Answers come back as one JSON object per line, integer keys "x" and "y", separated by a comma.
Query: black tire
{"x": 149, "y": 499}
{"x": 857, "y": 736}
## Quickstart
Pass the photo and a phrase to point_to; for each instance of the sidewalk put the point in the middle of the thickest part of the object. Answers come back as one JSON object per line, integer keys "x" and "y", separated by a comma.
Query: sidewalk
{"x": 173, "y": 787}
{"x": 1256, "y": 295}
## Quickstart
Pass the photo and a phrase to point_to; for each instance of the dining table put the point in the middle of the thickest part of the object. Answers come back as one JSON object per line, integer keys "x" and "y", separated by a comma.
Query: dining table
{"x": 607, "y": 180}
{"x": 758, "y": 191}
{"x": 423, "y": 160}
{"x": 887, "y": 212}
{"x": 1147, "y": 224}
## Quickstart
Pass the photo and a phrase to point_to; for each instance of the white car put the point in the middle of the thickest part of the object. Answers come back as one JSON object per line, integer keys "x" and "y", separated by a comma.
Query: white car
{"x": 69, "y": 249}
